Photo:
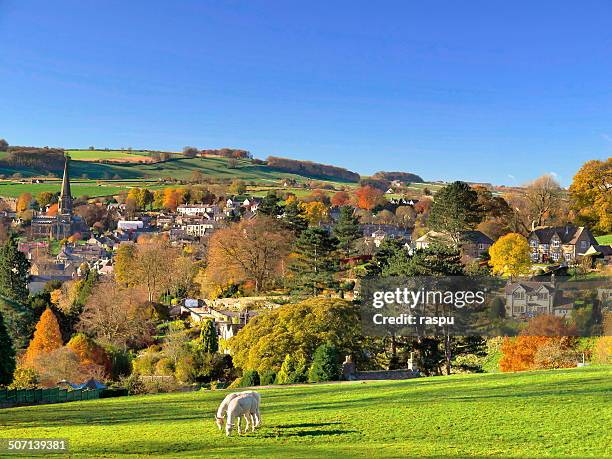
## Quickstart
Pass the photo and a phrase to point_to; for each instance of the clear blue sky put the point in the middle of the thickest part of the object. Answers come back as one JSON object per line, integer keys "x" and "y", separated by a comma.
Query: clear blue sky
{"x": 481, "y": 90}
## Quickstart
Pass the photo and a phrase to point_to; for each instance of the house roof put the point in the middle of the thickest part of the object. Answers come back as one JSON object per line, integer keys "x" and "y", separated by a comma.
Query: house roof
{"x": 568, "y": 234}
{"x": 529, "y": 286}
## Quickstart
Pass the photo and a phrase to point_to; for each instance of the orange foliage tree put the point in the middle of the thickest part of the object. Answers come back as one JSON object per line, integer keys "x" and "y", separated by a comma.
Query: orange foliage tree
{"x": 47, "y": 337}
{"x": 53, "y": 210}
{"x": 23, "y": 202}
{"x": 368, "y": 197}
{"x": 542, "y": 334}
{"x": 173, "y": 197}
{"x": 341, "y": 198}
{"x": 89, "y": 352}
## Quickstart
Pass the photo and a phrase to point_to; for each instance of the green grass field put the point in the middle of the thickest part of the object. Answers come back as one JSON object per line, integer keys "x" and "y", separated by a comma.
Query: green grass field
{"x": 604, "y": 240}
{"x": 91, "y": 189}
{"x": 562, "y": 413}
{"x": 108, "y": 155}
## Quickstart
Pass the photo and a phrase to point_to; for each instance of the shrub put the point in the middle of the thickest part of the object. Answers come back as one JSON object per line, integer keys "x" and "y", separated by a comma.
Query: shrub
{"x": 286, "y": 370}
{"x": 325, "y": 366}
{"x": 602, "y": 351}
{"x": 145, "y": 364}
{"x": 236, "y": 383}
{"x": 164, "y": 367}
{"x": 185, "y": 369}
{"x": 268, "y": 377}
{"x": 250, "y": 378}
{"x": 24, "y": 378}
{"x": 554, "y": 354}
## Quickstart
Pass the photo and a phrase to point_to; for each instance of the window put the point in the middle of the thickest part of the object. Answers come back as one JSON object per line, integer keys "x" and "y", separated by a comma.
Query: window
{"x": 556, "y": 243}
{"x": 555, "y": 256}
{"x": 519, "y": 295}
{"x": 542, "y": 296}
{"x": 583, "y": 244}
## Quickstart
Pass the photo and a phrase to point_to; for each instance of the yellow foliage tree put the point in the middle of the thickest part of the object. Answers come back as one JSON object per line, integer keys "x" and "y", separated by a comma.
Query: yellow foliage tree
{"x": 316, "y": 212}
{"x": 47, "y": 338}
{"x": 591, "y": 194}
{"x": 510, "y": 255}
{"x": 23, "y": 202}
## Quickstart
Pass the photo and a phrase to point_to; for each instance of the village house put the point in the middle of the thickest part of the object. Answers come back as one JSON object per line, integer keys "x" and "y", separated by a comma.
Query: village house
{"x": 601, "y": 253}
{"x": 473, "y": 244}
{"x": 530, "y": 298}
{"x": 559, "y": 244}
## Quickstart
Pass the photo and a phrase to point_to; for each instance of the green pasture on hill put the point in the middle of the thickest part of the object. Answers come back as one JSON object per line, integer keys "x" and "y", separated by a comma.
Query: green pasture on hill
{"x": 106, "y": 155}
{"x": 604, "y": 240}
{"x": 91, "y": 189}
{"x": 559, "y": 413}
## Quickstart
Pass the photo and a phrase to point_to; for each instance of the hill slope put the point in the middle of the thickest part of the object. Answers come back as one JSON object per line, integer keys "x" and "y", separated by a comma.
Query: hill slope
{"x": 178, "y": 167}
{"x": 550, "y": 413}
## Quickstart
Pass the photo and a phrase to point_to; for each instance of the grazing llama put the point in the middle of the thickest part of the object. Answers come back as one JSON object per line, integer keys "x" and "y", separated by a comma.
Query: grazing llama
{"x": 245, "y": 405}
{"x": 220, "y": 416}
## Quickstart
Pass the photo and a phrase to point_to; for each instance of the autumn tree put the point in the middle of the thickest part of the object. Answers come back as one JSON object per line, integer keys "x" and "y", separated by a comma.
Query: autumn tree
{"x": 546, "y": 342}
{"x": 44, "y": 198}
{"x": 237, "y": 187}
{"x": 47, "y": 337}
{"x": 117, "y": 315}
{"x": 89, "y": 352}
{"x": 510, "y": 255}
{"x": 591, "y": 195}
{"x": 455, "y": 209}
{"x": 7, "y": 355}
{"x": 347, "y": 230}
{"x": 124, "y": 264}
{"x": 151, "y": 266}
{"x": 368, "y": 197}
{"x": 53, "y": 210}
{"x": 23, "y": 202}
{"x": 296, "y": 329}
{"x": 190, "y": 152}
{"x": 543, "y": 197}
{"x": 251, "y": 250}
{"x": 316, "y": 212}
{"x": 340, "y": 198}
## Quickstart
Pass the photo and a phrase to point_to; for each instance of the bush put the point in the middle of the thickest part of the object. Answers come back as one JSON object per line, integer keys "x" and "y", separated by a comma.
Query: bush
{"x": 268, "y": 377}
{"x": 325, "y": 364}
{"x": 164, "y": 367}
{"x": 24, "y": 378}
{"x": 145, "y": 364}
{"x": 185, "y": 369}
{"x": 236, "y": 383}
{"x": 250, "y": 378}
{"x": 602, "y": 351}
{"x": 133, "y": 384}
{"x": 286, "y": 370}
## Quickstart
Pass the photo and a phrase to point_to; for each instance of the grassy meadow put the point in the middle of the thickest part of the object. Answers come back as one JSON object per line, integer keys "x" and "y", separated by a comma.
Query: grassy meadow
{"x": 92, "y": 189}
{"x": 604, "y": 240}
{"x": 107, "y": 155}
{"x": 559, "y": 413}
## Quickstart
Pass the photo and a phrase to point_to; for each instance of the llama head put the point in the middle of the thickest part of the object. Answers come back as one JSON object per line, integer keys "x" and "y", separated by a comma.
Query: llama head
{"x": 219, "y": 422}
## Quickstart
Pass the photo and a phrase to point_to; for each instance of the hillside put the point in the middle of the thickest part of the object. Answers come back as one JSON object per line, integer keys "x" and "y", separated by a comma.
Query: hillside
{"x": 87, "y": 164}
{"x": 560, "y": 413}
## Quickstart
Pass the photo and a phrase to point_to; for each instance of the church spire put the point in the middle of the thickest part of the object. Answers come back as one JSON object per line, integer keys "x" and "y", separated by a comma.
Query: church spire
{"x": 65, "y": 201}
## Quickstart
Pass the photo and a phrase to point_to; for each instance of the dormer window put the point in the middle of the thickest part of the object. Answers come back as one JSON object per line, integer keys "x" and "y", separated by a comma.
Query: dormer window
{"x": 556, "y": 243}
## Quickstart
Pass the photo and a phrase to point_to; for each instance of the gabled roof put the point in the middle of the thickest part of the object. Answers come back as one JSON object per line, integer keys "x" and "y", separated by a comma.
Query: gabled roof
{"x": 568, "y": 234}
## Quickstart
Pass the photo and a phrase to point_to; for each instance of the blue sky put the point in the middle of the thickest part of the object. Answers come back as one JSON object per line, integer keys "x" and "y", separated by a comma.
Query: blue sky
{"x": 482, "y": 90}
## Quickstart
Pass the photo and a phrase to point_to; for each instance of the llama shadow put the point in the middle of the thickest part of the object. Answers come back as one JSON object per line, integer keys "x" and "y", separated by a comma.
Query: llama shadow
{"x": 286, "y": 430}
